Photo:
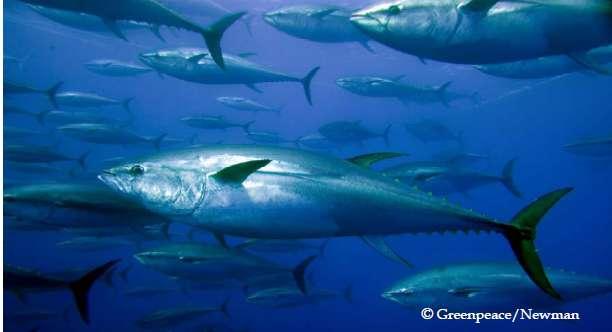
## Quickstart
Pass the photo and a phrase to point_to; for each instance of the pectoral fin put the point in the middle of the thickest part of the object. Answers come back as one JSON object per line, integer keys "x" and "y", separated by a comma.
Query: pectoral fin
{"x": 583, "y": 60}
{"x": 196, "y": 58}
{"x": 254, "y": 88}
{"x": 466, "y": 292}
{"x": 379, "y": 244}
{"x": 369, "y": 159}
{"x": 236, "y": 174}
{"x": 114, "y": 28}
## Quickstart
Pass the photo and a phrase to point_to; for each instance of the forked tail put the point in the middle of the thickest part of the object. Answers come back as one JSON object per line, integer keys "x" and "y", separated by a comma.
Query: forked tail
{"x": 80, "y": 288}
{"x": 507, "y": 178}
{"x": 306, "y": 83}
{"x": 213, "y": 34}
{"x": 522, "y": 232}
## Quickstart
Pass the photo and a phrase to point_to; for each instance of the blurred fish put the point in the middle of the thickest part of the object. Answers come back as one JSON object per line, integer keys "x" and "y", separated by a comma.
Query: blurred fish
{"x": 13, "y": 60}
{"x": 148, "y": 292}
{"x": 116, "y": 68}
{"x": 462, "y": 180}
{"x": 315, "y": 141}
{"x": 549, "y": 66}
{"x": 266, "y": 137}
{"x": 485, "y": 31}
{"x": 280, "y": 246}
{"x": 58, "y": 118}
{"x": 77, "y": 206}
{"x": 317, "y": 22}
{"x": 203, "y": 9}
{"x": 490, "y": 286}
{"x": 87, "y": 22}
{"x": 413, "y": 173}
{"x": 147, "y": 11}
{"x": 15, "y": 110}
{"x": 11, "y": 88}
{"x": 21, "y": 281}
{"x": 33, "y": 316}
{"x": 89, "y": 244}
{"x": 292, "y": 297}
{"x": 213, "y": 122}
{"x": 15, "y": 133}
{"x": 596, "y": 147}
{"x": 172, "y": 318}
{"x": 100, "y": 133}
{"x": 39, "y": 154}
{"x": 31, "y": 168}
{"x": 292, "y": 194}
{"x": 431, "y": 131}
{"x": 372, "y": 86}
{"x": 87, "y": 100}
{"x": 244, "y": 104}
{"x": 214, "y": 263}
{"x": 351, "y": 132}
{"x": 197, "y": 65}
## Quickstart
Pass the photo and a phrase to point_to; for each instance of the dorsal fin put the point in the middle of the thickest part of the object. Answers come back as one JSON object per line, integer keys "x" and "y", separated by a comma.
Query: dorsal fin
{"x": 322, "y": 13}
{"x": 196, "y": 58}
{"x": 236, "y": 174}
{"x": 477, "y": 5}
{"x": 368, "y": 159}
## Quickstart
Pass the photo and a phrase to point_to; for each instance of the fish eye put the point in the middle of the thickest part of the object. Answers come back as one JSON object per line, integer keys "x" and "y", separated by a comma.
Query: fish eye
{"x": 136, "y": 170}
{"x": 394, "y": 10}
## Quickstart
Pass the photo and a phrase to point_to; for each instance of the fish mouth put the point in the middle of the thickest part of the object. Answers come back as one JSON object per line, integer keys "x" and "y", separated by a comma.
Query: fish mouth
{"x": 270, "y": 18}
{"x": 110, "y": 179}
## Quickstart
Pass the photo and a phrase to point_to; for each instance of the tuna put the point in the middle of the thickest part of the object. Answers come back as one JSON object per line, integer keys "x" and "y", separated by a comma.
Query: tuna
{"x": 487, "y": 31}
{"x": 343, "y": 132}
{"x": 292, "y": 194}
{"x": 146, "y": 11}
{"x": 116, "y": 68}
{"x": 595, "y": 147}
{"x": 245, "y": 104}
{"x": 379, "y": 87}
{"x": 21, "y": 281}
{"x": 11, "y": 88}
{"x": 317, "y": 22}
{"x": 197, "y": 65}
{"x": 490, "y": 286}
{"x": 99, "y": 133}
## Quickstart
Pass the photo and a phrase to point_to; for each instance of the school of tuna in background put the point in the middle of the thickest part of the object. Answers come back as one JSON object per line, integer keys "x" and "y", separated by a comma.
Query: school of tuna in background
{"x": 208, "y": 215}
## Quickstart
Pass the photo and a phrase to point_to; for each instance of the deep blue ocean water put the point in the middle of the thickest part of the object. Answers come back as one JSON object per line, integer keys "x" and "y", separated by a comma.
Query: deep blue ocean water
{"x": 530, "y": 120}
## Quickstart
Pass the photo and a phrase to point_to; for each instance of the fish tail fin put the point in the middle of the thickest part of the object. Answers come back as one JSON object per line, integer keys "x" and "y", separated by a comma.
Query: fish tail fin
{"x": 521, "y": 234}
{"x": 348, "y": 293}
{"x": 247, "y": 126}
{"x": 52, "y": 92}
{"x": 365, "y": 45}
{"x": 80, "y": 287}
{"x": 213, "y": 34}
{"x": 157, "y": 141}
{"x": 507, "y": 178}
{"x": 223, "y": 308}
{"x": 306, "y": 83}
{"x": 385, "y": 134}
{"x": 40, "y": 117}
{"x": 155, "y": 30}
{"x": 299, "y": 271}
{"x": 126, "y": 104}
{"x": 82, "y": 159}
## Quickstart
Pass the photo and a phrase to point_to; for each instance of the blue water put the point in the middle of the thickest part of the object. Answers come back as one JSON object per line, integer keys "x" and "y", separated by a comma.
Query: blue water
{"x": 530, "y": 120}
